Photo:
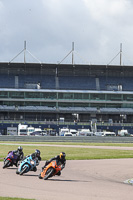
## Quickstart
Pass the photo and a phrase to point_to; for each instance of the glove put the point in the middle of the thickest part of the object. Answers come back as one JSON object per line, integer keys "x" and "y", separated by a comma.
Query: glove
{"x": 46, "y": 163}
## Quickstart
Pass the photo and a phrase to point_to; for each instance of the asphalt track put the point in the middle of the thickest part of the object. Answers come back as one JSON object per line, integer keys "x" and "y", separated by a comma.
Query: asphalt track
{"x": 80, "y": 180}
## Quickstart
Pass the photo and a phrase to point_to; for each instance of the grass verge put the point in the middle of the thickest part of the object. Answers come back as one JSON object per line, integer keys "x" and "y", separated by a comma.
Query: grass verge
{"x": 71, "y": 153}
{"x": 10, "y": 198}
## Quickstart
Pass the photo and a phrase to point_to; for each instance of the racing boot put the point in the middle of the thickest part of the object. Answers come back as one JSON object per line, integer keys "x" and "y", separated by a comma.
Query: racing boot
{"x": 16, "y": 164}
{"x": 34, "y": 169}
{"x": 59, "y": 173}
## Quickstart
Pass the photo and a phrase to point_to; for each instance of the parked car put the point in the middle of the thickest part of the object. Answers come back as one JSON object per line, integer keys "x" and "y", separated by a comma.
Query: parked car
{"x": 37, "y": 133}
{"x": 68, "y": 134}
{"x": 53, "y": 133}
{"x": 65, "y": 133}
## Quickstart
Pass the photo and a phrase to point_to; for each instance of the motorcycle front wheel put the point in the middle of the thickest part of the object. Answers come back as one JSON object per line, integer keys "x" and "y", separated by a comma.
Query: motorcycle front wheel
{"x": 23, "y": 170}
{"x": 17, "y": 172}
{"x": 49, "y": 173}
{"x": 6, "y": 164}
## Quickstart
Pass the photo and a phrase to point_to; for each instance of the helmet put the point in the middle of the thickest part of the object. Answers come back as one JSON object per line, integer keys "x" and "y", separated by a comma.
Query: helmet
{"x": 20, "y": 148}
{"x": 62, "y": 156}
{"x": 37, "y": 152}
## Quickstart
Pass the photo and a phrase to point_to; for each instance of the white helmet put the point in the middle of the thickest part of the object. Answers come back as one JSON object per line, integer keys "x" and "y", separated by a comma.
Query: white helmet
{"x": 20, "y": 148}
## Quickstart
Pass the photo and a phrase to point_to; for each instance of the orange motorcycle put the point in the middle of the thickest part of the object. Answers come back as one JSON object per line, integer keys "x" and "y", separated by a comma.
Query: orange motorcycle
{"x": 50, "y": 170}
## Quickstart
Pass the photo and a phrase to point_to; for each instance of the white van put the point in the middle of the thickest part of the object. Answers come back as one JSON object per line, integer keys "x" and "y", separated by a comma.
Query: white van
{"x": 63, "y": 130}
{"x": 108, "y": 133}
{"x": 123, "y": 132}
{"x": 83, "y": 132}
{"x": 30, "y": 130}
{"x": 67, "y": 133}
{"x": 11, "y": 130}
{"x": 73, "y": 132}
{"x": 105, "y": 133}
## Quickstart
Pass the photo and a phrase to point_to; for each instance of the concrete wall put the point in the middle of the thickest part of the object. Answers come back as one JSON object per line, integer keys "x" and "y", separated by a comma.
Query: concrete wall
{"x": 89, "y": 139}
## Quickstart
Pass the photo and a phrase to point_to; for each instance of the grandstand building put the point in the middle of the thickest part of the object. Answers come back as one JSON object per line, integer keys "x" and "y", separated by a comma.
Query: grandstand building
{"x": 31, "y": 91}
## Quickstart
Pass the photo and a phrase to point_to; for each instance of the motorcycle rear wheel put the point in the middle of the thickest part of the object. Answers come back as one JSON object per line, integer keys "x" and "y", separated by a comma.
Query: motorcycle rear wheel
{"x": 48, "y": 173}
{"x": 23, "y": 170}
{"x": 6, "y": 164}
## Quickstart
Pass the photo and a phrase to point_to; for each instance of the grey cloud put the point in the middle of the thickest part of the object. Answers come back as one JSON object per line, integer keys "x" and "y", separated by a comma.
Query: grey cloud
{"x": 50, "y": 27}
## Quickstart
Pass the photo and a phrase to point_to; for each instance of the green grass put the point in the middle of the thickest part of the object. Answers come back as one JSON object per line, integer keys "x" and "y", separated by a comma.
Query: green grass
{"x": 71, "y": 153}
{"x": 9, "y": 198}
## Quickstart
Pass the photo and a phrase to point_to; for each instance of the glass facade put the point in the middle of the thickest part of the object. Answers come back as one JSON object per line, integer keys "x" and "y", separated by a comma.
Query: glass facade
{"x": 67, "y": 99}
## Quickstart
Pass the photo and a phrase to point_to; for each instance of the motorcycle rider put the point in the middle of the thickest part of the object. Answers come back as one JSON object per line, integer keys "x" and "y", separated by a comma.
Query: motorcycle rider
{"x": 60, "y": 159}
{"x": 36, "y": 156}
{"x": 19, "y": 153}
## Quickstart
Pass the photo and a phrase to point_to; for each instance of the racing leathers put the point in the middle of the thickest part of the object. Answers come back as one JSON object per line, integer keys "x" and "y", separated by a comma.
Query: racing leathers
{"x": 37, "y": 159}
{"x": 59, "y": 161}
{"x": 20, "y": 155}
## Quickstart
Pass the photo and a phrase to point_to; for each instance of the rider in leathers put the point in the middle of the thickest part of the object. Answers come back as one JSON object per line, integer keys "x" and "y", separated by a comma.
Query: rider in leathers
{"x": 60, "y": 159}
{"x": 36, "y": 156}
{"x": 19, "y": 153}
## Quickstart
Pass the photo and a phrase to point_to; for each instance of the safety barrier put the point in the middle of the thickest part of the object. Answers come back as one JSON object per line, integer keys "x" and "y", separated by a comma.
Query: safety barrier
{"x": 82, "y": 139}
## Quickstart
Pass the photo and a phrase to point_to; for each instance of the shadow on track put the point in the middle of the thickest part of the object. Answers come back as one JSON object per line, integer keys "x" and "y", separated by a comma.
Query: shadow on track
{"x": 15, "y": 168}
{"x": 67, "y": 180}
{"x": 29, "y": 175}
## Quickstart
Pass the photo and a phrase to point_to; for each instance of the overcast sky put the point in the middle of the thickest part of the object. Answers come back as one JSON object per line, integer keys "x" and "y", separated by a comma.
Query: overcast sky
{"x": 97, "y": 28}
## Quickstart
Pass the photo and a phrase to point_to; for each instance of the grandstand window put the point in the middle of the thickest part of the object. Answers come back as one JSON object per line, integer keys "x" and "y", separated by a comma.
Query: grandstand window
{"x": 3, "y": 94}
{"x": 16, "y": 95}
{"x": 65, "y": 96}
{"x": 14, "y": 103}
{"x": 104, "y": 105}
{"x": 86, "y": 96}
{"x": 48, "y": 95}
{"x": 60, "y": 96}
{"x": 32, "y": 95}
{"x": 97, "y": 105}
{"x": 127, "y": 97}
{"x": 29, "y": 103}
{"x": 80, "y": 105}
{"x": 78, "y": 96}
{"x": 97, "y": 96}
{"x": 49, "y": 104}
{"x": 127, "y": 105}
{"x": 113, "y": 105}
{"x": 114, "y": 97}
{"x": 65, "y": 104}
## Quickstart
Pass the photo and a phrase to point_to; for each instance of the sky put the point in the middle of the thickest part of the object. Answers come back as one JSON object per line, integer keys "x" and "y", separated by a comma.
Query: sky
{"x": 97, "y": 28}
